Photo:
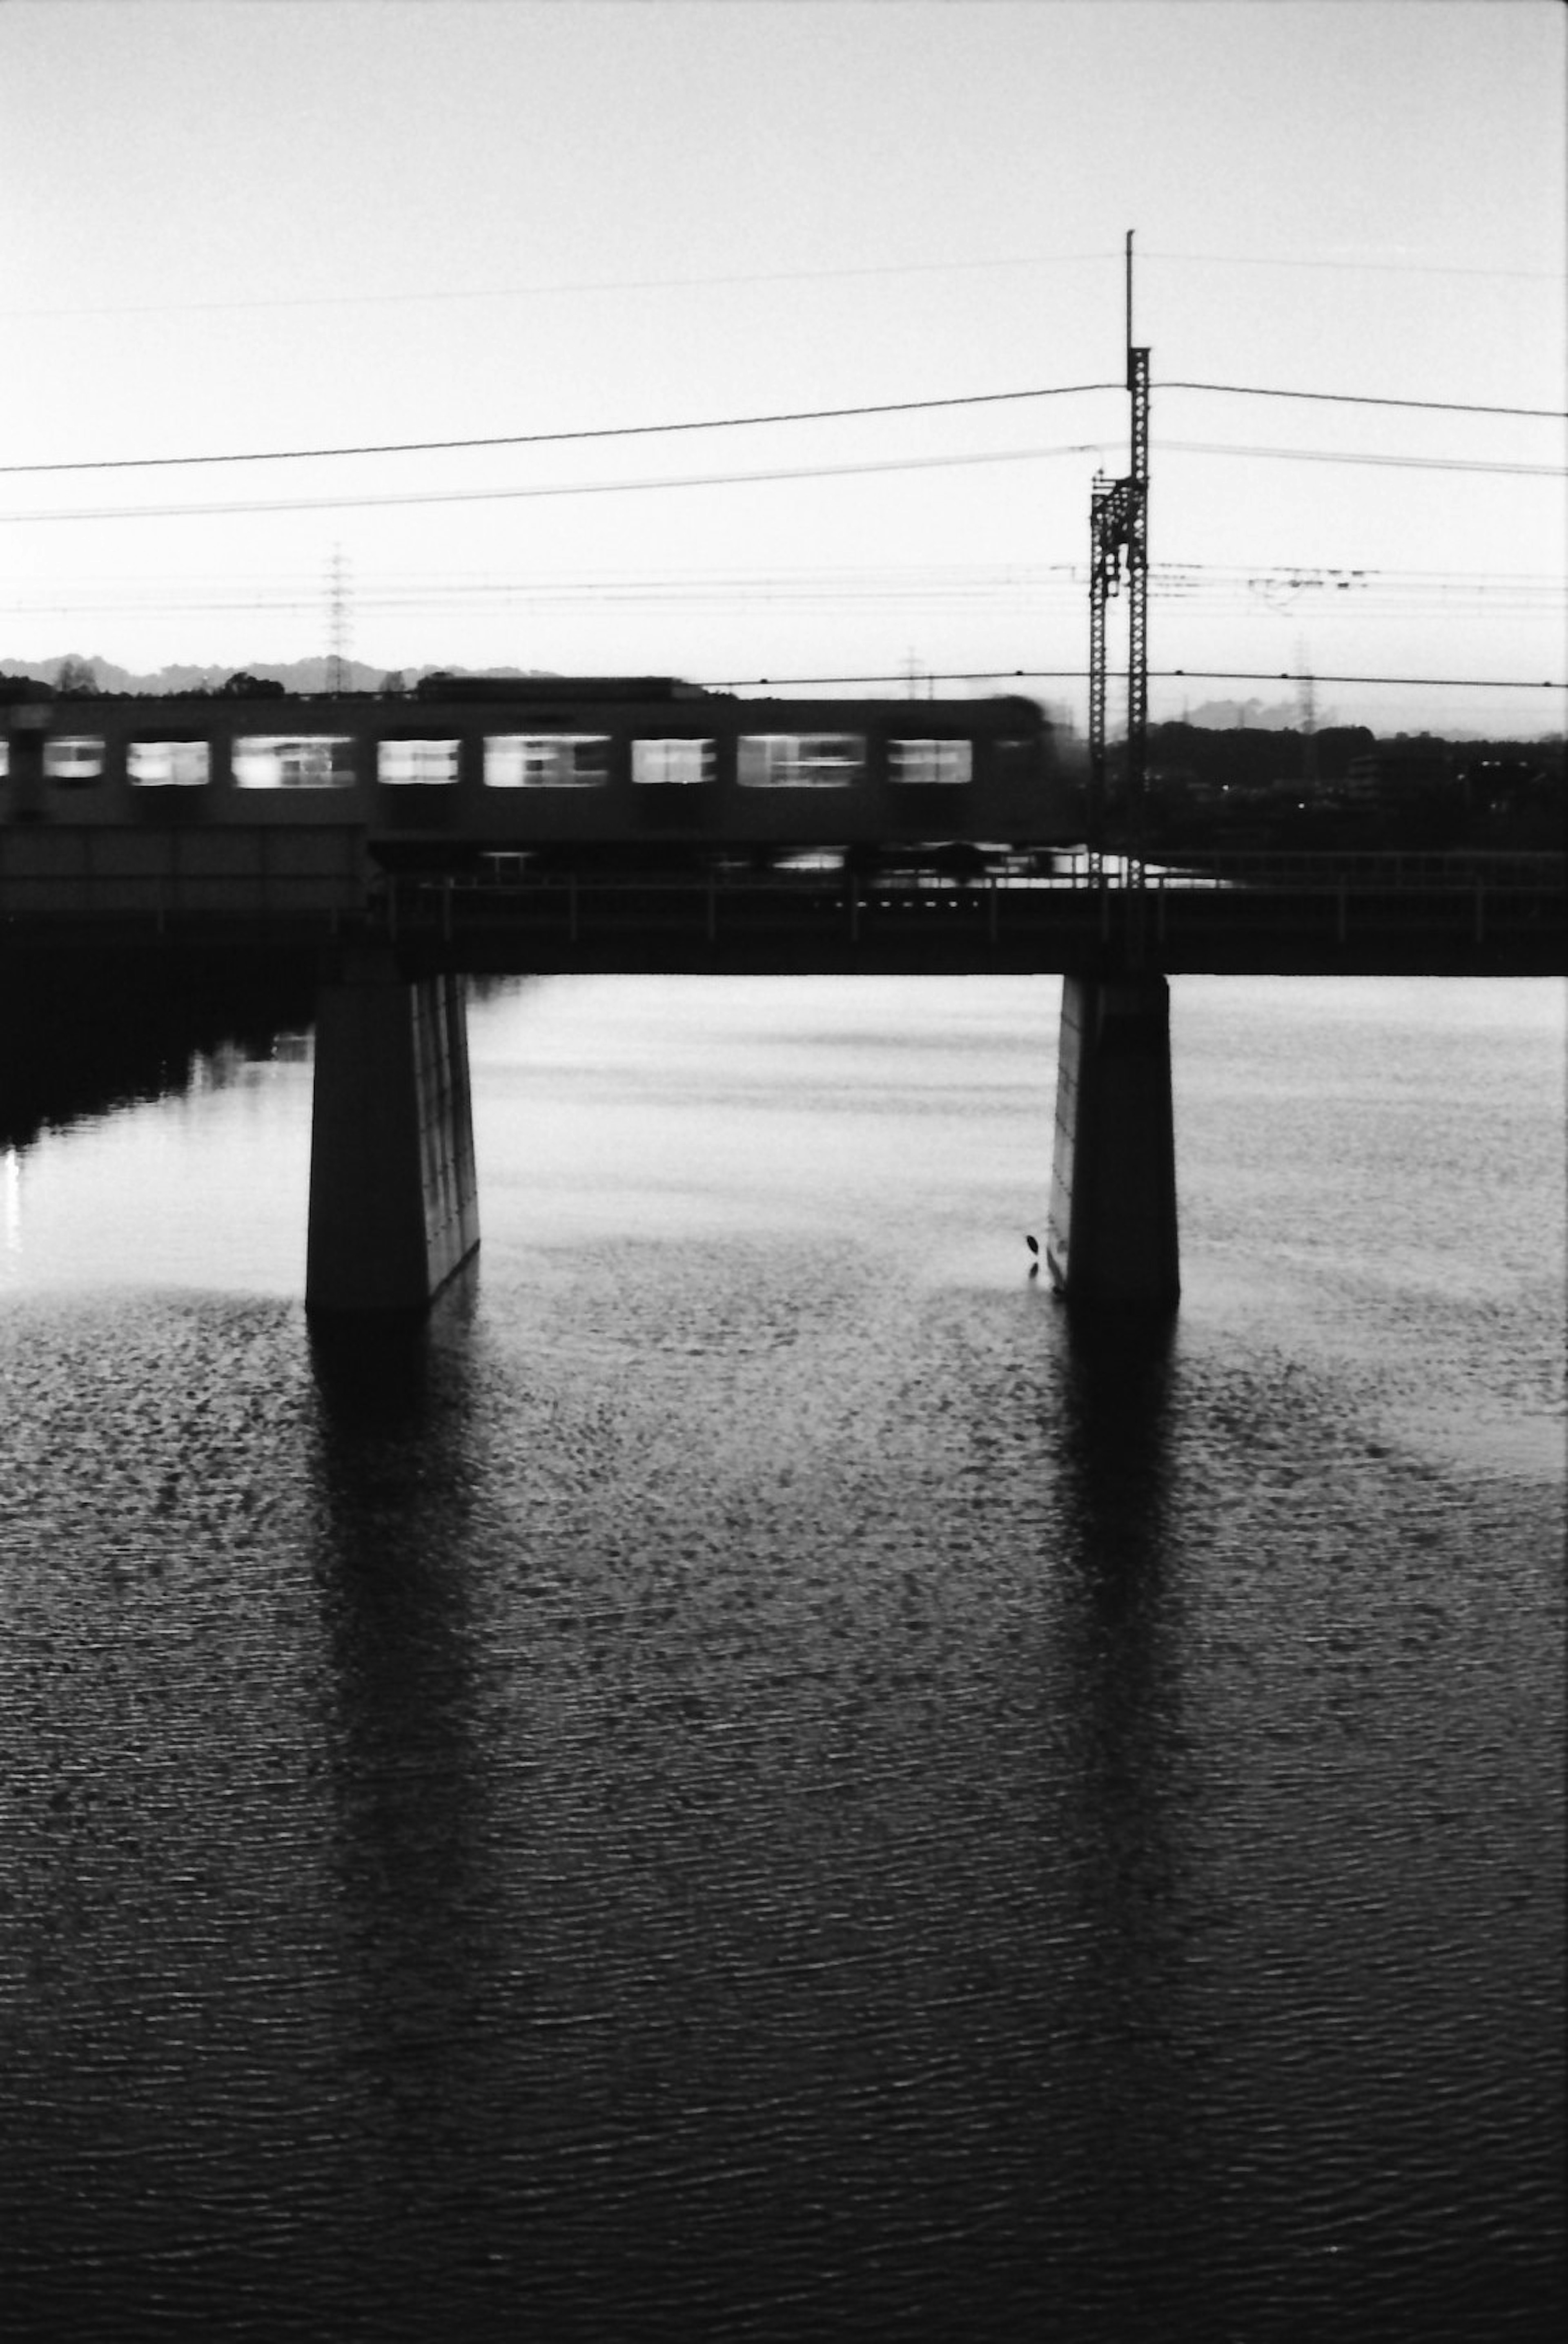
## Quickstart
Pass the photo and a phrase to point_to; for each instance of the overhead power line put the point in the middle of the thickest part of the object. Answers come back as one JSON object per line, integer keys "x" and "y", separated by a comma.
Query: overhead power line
{"x": 577, "y": 286}
{"x": 1371, "y": 268}
{"x": 556, "y": 439}
{"x": 765, "y": 576}
{"x": 1308, "y": 675}
{"x": 345, "y": 502}
{"x": 1166, "y": 674}
{"x": 449, "y": 294}
{"x": 1369, "y": 398}
{"x": 1003, "y": 587}
{"x": 1348, "y": 456}
{"x": 750, "y": 423}
{"x": 565, "y": 489}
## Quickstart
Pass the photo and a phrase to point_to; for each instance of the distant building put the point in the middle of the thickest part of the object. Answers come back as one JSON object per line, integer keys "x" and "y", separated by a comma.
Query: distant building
{"x": 1401, "y": 774}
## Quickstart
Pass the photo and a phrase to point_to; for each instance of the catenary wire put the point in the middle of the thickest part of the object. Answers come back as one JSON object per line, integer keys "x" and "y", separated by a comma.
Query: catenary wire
{"x": 1160, "y": 675}
{"x": 1378, "y": 267}
{"x": 1377, "y": 594}
{"x": 1367, "y": 399}
{"x": 1156, "y": 674}
{"x": 1258, "y": 569}
{"x": 747, "y": 423}
{"x": 566, "y": 488}
{"x": 587, "y": 285}
{"x": 1349, "y": 456}
{"x": 557, "y": 438}
{"x": 343, "y": 503}
{"x": 768, "y": 277}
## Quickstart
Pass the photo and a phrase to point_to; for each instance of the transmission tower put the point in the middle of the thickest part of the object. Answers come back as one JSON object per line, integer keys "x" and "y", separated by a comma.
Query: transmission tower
{"x": 1118, "y": 543}
{"x": 1307, "y": 708}
{"x": 339, "y": 623}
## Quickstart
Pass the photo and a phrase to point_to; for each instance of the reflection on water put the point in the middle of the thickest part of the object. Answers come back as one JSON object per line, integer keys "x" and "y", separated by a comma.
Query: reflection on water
{"x": 85, "y": 1034}
{"x": 751, "y": 1779}
{"x": 406, "y": 1763}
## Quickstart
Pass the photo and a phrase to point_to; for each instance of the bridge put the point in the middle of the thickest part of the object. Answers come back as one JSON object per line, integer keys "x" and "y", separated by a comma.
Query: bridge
{"x": 680, "y": 834}
{"x": 1278, "y": 913}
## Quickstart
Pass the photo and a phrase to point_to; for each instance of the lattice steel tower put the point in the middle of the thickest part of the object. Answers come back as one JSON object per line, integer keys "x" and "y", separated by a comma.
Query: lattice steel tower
{"x": 339, "y": 622}
{"x": 1118, "y": 541}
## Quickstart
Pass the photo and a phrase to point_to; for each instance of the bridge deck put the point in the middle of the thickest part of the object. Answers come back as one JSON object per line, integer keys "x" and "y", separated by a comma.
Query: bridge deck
{"x": 1302, "y": 916}
{"x": 764, "y": 925}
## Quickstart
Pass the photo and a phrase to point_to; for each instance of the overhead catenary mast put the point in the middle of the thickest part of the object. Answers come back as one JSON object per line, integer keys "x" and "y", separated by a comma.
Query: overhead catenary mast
{"x": 1119, "y": 532}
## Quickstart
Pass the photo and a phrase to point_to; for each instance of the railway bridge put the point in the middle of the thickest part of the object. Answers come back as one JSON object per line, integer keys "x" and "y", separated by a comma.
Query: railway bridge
{"x": 636, "y": 825}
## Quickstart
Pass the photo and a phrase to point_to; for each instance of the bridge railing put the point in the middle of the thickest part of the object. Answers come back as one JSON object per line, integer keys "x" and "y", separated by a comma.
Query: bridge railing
{"x": 51, "y": 873}
{"x": 1319, "y": 895}
{"x": 1398, "y": 870}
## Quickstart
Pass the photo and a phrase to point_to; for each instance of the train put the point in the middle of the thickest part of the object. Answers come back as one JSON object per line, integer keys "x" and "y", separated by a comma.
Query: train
{"x": 566, "y": 771}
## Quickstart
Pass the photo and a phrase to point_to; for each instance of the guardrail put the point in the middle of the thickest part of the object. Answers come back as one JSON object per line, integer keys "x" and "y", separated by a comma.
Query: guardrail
{"x": 1383, "y": 871}
{"x": 1308, "y": 898}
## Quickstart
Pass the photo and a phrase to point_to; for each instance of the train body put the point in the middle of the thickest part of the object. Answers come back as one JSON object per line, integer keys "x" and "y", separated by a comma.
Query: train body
{"x": 592, "y": 768}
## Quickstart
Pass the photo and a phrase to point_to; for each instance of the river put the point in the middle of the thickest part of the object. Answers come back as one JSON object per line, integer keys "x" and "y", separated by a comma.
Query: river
{"x": 754, "y": 1780}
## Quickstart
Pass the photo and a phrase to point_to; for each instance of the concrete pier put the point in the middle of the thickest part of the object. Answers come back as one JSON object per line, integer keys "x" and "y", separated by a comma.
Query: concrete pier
{"x": 393, "y": 1200}
{"x": 1111, "y": 1236}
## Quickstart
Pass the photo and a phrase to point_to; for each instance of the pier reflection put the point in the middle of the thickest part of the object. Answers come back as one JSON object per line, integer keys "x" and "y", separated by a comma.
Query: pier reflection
{"x": 409, "y": 1777}
{"x": 1143, "y": 2175}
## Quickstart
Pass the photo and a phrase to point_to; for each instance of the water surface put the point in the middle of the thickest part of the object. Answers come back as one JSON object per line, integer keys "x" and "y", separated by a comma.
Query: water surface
{"x": 755, "y": 1781}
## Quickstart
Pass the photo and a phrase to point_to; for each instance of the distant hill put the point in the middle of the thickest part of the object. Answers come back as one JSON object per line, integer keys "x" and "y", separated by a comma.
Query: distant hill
{"x": 1281, "y": 716}
{"x": 1217, "y": 715}
{"x": 295, "y": 675}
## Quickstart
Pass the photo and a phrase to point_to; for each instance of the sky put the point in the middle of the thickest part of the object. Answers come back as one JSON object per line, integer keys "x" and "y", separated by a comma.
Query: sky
{"x": 246, "y": 227}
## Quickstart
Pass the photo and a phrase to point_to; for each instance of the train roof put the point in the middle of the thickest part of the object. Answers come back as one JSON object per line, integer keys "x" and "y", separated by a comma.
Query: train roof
{"x": 554, "y": 699}
{"x": 558, "y": 687}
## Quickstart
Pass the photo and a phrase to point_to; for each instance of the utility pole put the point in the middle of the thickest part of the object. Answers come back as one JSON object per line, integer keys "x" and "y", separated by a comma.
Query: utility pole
{"x": 1119, "y": 533}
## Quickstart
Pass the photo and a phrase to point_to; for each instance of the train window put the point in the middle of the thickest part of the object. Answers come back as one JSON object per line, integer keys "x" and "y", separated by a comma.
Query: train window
{"x": 266, "y": 761}
{"x": 416, "y": 761}
{"x": 800, "y": 760}
{"x": 545, "y": 760}
{"x": 672, "y": 761}
{"x": 930, "y": 761}
{"x": 160, "y": 763}
{"x": 72, "y": 760}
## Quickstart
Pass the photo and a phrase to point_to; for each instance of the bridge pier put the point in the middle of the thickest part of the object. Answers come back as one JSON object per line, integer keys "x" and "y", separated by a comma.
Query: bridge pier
{"x": 1111, "y": 1236}
{"x": 394, "y": 1201}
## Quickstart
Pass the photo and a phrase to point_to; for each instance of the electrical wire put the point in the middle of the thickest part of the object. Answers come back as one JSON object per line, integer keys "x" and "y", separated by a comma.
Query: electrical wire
{"x": 749, "y": 422}
{"x": 1367, "y": 399}
{"x": 342, "y": 503}
{"x": 587, "y": 285}
{"x": 1045, "y": 589}
{"x": 877, "y": 575}
{"x": 1345, "y": 456}
{"x": 768, "y": 277}
{"x": 1378, "y": 267}
{"x": 565, "y": 489}
{"x": 1156, "y": 674}
{"x": 556, "y": 439}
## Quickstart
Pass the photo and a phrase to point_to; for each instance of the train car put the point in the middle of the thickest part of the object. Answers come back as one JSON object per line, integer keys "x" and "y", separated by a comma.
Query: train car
{"x": 640, "y": 770}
